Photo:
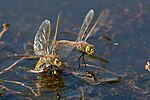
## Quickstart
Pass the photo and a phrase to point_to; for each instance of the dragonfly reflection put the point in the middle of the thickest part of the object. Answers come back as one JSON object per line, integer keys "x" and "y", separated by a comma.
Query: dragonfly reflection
{"x": 81, "y": 43}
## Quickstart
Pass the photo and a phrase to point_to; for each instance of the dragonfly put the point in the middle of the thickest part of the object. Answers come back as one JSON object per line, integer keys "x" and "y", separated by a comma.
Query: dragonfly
{"x": 44, "y": 49}
{"x": 81, "y": 43}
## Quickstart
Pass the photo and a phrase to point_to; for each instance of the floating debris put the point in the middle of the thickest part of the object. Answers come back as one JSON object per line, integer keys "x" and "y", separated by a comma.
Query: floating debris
{"x": 4, "y": 29}
{"x": 147, "y": 66}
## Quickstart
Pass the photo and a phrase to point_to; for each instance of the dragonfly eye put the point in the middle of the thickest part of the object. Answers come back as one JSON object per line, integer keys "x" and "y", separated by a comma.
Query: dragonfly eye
{"x": 57, "y": 62}
{"x": 89, "y": 49}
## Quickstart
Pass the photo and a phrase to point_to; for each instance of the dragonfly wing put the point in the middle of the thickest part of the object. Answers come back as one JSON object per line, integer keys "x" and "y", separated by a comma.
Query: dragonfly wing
{"x": 41, "y": 40}
{"x": 64, "y": 48}
{"x": 99, "y": 23}
{"x": 85, "y": 25}
{"x": 28, "y": 47}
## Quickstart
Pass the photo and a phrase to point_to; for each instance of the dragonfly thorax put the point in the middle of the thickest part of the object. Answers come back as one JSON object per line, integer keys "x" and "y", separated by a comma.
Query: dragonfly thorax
{"x": 46, "y": 61}
{"x": 54, "y": 61}
{"x": 85, "y": 47}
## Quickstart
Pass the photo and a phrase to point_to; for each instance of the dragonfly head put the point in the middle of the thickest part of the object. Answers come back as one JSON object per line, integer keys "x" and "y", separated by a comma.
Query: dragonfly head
{"x": 89, "y": 49}
{"x": 57, "y": 62}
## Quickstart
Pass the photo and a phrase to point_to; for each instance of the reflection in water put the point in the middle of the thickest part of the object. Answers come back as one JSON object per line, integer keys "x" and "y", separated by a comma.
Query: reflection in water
{"x": 49, "y": 81}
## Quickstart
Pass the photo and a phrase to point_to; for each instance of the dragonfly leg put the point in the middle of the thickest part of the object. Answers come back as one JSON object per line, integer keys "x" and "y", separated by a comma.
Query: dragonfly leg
{"x": 79, "y": 60}
{"x": 84, "y": 60}
{"x": 81, "y": 56}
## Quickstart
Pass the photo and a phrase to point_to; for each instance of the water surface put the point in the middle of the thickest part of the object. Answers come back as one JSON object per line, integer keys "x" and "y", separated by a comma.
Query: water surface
{"x": 130, "y": 30}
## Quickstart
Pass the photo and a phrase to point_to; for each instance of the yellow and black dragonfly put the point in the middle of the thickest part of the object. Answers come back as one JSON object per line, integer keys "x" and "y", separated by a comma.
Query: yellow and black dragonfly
{"x": 44, "y": 49}
{"x": 81, "y": 43}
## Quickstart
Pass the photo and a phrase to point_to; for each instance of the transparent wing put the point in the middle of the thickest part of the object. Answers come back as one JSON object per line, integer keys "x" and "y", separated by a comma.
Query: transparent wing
{"x": 64, "y": 48}
{"x": 61, "y": 48}
{"x": 28, "y": 47}
{"x": 85, "y": 24}
{"x": 99, "y": 23}
{"x": 41, "y": 40}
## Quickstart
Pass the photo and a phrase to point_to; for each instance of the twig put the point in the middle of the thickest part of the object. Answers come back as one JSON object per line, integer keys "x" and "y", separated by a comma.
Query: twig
{"x": 82, "y": 94}
{"x": 136, "y": 88}
{"x": 11, "y": 66}
{"x": 102, "y": 69}
{"x": 4, "y": 29}
{"x": 22, "y": 84}
{"x": 7, "y": 89}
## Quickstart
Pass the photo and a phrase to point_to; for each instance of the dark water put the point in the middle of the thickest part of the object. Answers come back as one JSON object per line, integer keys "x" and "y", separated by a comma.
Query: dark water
{"x": 130, "y": 29}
